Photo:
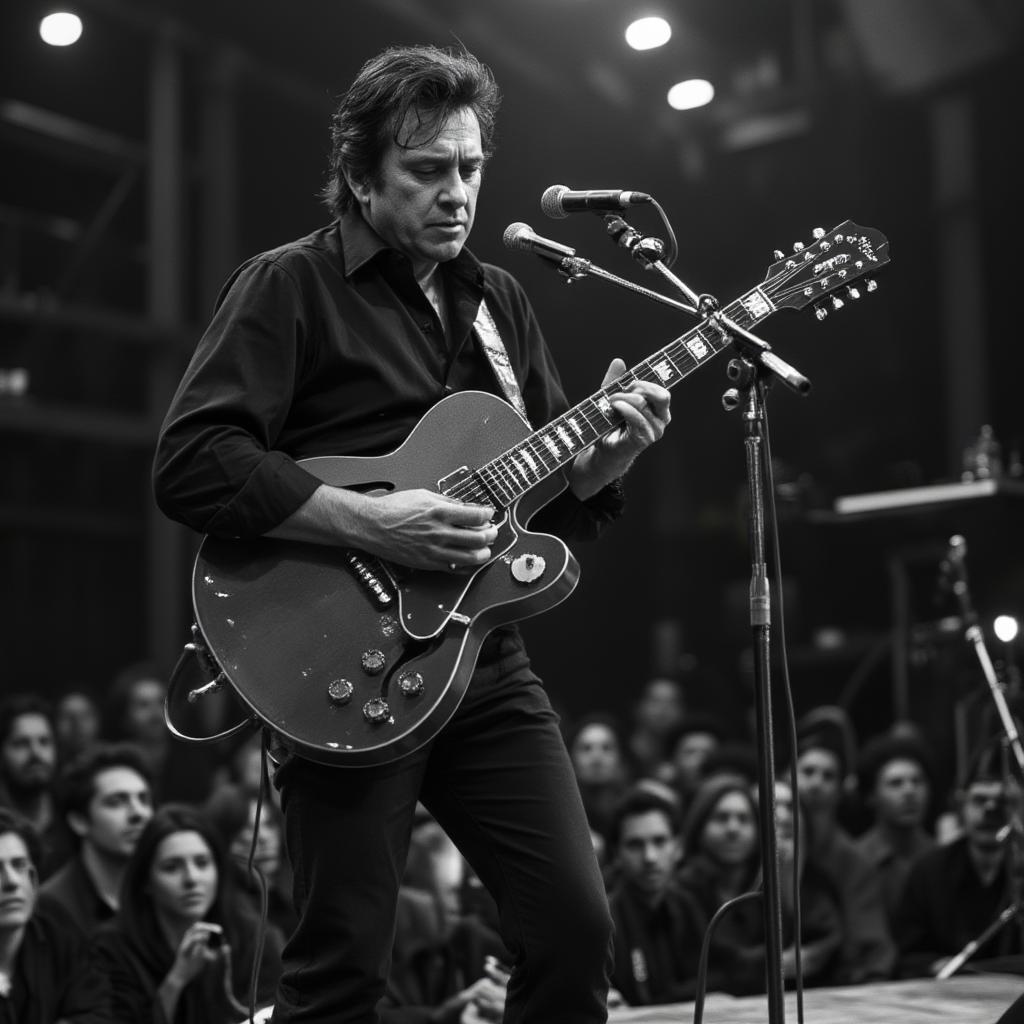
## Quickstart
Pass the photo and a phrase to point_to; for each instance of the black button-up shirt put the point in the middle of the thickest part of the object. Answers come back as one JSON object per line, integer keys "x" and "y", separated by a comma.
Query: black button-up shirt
{"x": 328, "y": 346}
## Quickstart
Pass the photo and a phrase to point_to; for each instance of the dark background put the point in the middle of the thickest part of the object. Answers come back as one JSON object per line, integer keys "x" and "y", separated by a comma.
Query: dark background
{"x": 140, "y": 165}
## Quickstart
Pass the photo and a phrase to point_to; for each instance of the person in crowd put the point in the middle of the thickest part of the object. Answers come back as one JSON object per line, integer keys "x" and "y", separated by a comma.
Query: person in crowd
{"x": 954, "y": 893}
{"x": 46, "y": 974}
{"x": 231, "y": 809}
{"x": 658, "y": 925}
{"x": 28, "y": 766}
{"x": 733, "y": 757}
{"x": 658, "y": 710}
{"x": 76, "y": 722}
{"x": 339, "y": 344}
{"x": 106, "y": 800}
{"x": 595, "y": 746}
{"x": 823, "y": 753}
{"x": 447, "y": 963}
{"x": 894, "y": 773}
{"x": 688, "y": 746}
{"x": 182, "y": 947}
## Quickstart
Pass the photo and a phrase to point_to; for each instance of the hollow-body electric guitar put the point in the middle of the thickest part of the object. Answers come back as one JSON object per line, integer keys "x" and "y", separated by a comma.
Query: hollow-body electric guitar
{"x": 354, "y": 660}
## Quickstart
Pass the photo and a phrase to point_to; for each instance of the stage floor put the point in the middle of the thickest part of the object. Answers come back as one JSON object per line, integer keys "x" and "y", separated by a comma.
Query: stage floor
{"x": 968, "y": 999}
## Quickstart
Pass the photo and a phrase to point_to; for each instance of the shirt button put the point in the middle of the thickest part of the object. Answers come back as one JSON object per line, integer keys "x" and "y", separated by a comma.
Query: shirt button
{"x": 426, "y": 325}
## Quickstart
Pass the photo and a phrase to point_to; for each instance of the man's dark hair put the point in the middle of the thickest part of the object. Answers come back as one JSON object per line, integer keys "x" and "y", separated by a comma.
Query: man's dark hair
{"x": 20, "y": 704}
{"x": 426, "y": 79}
{"x": 78, "y": 780}
{"x": 637, "y": 801}
{"x": 13, "y": 823}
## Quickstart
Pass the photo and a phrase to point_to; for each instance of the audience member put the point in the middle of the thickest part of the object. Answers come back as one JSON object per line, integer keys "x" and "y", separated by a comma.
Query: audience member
{"x": 954, "y": 892}
{"x": 823, "y": 753}
{"x": 106, "y": 801}
{"x": 658, "y": 925}
{"x": 447, "y": 964}
{"x": 76, "y": 721}
{"x": 894, "y": 778}
{"x": 687, "y": 748}
{"x": 722, "y": 861}
{"x": 232, "y": 812}
{"x": 45, "y": 970}
{"x": 182, "y": 947}
{"x": 595, "y": 747}
{"x": 661, "y": 706}
{"x": 28, "y": 764}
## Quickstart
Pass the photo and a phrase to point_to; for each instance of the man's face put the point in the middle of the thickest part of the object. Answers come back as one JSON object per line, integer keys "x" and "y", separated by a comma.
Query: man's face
{"x": 424, "y": 199}
{"x": 648, "y": 851}
{"x": 77, "y": 721}
{"x": 28, "y": 754}
{"x": 730, "y": 833}
{"x": 595, "y": 755}
{"x": 986, "y": 809}
{"x": 18, "y": 883}
{"x": 901, "y": 793}
{"x": 660, "y": 707}
{"x": 818, "y": 775}
{"x": 117, "y": 813}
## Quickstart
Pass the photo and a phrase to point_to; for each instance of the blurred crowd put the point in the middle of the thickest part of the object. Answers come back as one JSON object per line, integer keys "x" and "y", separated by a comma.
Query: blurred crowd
{"x": 134, "y": 885}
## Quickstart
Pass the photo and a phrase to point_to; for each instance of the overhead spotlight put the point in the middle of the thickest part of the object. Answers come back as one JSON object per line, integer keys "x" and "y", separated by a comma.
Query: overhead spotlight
{"x": 61, "y": 28}
{"x": 648, "y": 33}
{"x": 694, "y": 92}
{"x": 1005, "y": 628}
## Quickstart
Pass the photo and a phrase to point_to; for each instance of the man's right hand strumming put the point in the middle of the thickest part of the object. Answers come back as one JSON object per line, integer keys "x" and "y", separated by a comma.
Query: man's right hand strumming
{"x": 418, "y": 528}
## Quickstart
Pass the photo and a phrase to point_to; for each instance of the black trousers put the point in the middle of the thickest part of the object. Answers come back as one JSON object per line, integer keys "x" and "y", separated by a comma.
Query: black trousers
{"x": 499, "y": 781}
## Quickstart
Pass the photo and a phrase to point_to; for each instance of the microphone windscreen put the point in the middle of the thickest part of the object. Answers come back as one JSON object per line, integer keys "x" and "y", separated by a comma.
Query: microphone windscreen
{"x": 551, "y": 202}
{"x": 517, "y": 236}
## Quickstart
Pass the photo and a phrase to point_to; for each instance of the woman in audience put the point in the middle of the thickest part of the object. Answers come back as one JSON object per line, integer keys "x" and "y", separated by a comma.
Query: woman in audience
{"x": 182, "y": 948}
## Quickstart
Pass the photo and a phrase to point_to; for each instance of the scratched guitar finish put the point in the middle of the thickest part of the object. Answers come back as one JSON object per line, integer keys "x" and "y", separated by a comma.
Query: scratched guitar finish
{"x": 357, "y": 661}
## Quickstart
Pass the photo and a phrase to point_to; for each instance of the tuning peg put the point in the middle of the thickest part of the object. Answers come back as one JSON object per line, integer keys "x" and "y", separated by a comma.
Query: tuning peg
{"x": 778, "y": 254}
{"x": 818, "y": 232}
{"x": 837, "y": 303}
{"x": 820, "y": 311}
{"x": 871, "y": 284}
{"x": 798, "y": 247}
{"x": 851, "y": 292}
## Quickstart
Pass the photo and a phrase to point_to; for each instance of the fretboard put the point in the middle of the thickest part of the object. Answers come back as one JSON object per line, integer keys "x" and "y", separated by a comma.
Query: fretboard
{"x": 509, "y": 476}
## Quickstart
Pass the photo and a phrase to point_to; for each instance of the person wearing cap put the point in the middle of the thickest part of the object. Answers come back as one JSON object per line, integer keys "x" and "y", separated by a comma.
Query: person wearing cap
{"x": 824, "y": 754}
{"x": 955, "y": 892}
{"x": 894, "y": 775}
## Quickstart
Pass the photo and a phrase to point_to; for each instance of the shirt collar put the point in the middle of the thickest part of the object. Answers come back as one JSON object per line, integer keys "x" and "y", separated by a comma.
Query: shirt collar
{"x": 360, "y": 244}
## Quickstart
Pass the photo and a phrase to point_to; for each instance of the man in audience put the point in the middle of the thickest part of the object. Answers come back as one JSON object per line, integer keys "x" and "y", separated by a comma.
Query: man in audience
{"x": 106, "y": 801}
{"x": 658, "y": 927}
{"x": 688, "y": 746}
{"x": 660, "y": 707}
{"x": 45, "y": 973}
{"x": 894, "y": 779}
{"x": 868, "y": 952}
{"x": 28, "y": 762}
{"x": 955, "y": 892}
{"x": 76, "y": 721}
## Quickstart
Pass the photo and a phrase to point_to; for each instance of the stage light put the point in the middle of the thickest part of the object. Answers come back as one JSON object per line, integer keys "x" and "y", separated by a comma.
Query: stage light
{"x": 62, "y": 28}
{"x": 1005, "y": 628}
{"x": 648, "y": 33}
{"x": 694, "y": 92}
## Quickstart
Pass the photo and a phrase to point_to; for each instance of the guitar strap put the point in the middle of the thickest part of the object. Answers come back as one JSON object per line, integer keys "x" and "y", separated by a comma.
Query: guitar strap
{"x": 487, "y": 331}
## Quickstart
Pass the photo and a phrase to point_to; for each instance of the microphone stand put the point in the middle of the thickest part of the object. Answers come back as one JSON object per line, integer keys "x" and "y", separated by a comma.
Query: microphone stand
{"x": 1013, "y": 832}
{"x": 752, "y": 371}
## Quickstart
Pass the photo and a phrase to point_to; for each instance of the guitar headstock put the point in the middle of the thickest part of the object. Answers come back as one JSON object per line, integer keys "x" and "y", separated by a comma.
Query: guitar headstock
{"x": 829, "y": 266}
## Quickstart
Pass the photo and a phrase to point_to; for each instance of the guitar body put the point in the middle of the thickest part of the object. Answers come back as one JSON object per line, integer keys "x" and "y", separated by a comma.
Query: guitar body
{"x": 354, "y": 661}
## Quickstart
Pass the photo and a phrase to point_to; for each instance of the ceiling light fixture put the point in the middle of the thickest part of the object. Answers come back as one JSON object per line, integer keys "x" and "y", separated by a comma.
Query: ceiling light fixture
{"x": 61, "y": 28}
{"x": 648, "y": 33}
{"x": 694, "y": 92}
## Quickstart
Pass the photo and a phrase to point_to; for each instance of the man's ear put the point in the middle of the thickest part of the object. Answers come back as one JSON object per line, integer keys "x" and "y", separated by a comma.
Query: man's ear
{"x": 78, "y": 823}
{"x": 360, "y": 189}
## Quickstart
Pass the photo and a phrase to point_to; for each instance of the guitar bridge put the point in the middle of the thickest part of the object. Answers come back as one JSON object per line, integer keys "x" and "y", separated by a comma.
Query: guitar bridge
{"x": 372, "y": 575}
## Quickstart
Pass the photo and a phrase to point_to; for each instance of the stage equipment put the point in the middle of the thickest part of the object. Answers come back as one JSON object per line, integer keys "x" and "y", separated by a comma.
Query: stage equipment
{"x": 559, "y": 201}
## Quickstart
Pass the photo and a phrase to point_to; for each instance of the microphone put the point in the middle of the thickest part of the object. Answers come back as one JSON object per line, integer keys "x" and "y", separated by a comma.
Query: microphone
{"x": 522, "y": 236}
{"x": 559, "y": 200}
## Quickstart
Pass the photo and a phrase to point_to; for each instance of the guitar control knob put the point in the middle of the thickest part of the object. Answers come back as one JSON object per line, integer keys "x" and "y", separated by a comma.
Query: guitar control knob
{"x": 373, "y": 662}
{"x": 376, "y": 710}
{"x": 527, "y": 568}
{"x": 339, "y": 691}
{"x": 411, "y": 684}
